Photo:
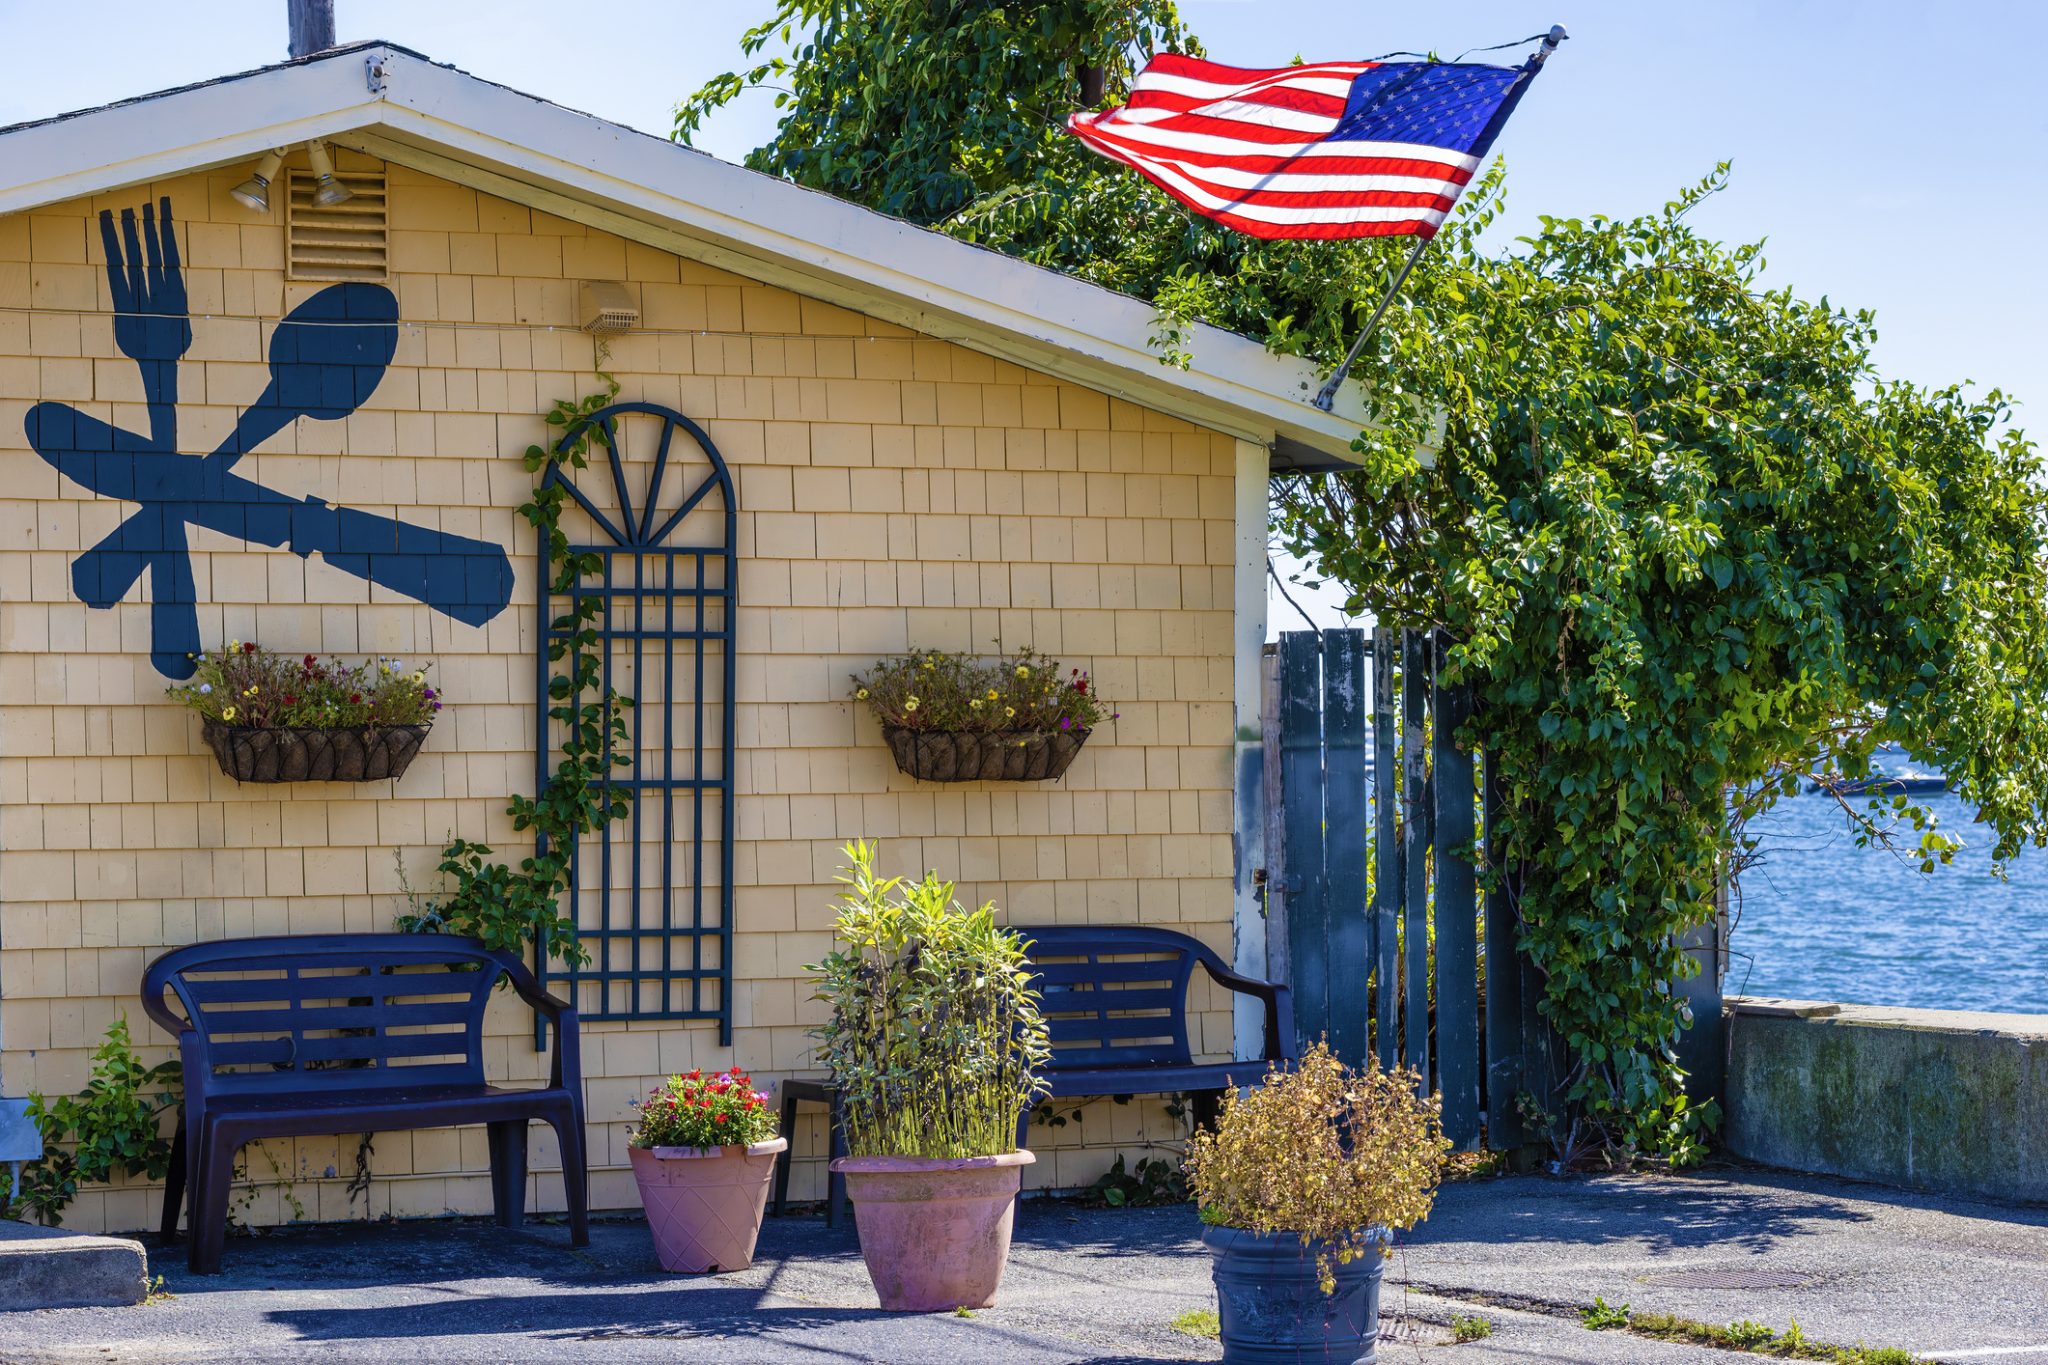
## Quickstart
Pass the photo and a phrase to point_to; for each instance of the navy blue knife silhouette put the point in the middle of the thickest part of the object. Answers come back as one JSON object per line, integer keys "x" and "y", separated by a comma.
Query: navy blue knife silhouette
{"x": 326, "y": 358}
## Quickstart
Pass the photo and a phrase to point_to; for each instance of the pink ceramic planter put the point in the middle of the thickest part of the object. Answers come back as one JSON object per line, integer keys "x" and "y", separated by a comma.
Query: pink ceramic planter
{"x": 935, "y": 1232}
{"x": 704, "y": 1204}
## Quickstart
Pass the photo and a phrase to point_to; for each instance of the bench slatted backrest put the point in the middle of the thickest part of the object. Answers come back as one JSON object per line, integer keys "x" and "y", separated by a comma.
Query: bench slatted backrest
{"x": 1113, "y": 996}
{"x": 303, "y": 1012}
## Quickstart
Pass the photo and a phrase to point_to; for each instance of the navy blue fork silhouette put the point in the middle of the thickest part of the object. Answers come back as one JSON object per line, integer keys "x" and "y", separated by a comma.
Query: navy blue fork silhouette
{"x": 326, "y": 357}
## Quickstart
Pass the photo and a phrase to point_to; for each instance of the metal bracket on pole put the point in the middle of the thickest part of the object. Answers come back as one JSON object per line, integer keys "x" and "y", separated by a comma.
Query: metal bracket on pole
{"x": 1327, "y": 395}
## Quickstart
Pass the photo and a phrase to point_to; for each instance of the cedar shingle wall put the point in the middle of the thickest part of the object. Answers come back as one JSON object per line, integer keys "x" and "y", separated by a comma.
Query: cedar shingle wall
{"x": 895, "y": 491}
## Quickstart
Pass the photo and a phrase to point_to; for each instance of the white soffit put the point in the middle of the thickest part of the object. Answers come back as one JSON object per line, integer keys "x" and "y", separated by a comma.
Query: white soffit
{"x": 397, "y": 105}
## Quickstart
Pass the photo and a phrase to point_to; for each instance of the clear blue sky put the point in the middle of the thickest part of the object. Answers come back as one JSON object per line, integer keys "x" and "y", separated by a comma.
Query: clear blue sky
{"x": 1891, "y": 153}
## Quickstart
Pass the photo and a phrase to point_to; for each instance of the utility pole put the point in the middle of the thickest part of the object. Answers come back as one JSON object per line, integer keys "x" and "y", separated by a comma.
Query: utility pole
{"x": 312, "y": 26}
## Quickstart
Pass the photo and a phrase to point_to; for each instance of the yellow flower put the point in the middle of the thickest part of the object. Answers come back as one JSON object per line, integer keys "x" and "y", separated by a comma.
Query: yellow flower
{"x": 975, "y": 704}
{"x": 1009, "y": 710}
{"x": 910, "y": 703}
{"x": 862, "y": 694}
{"x": 251, "y": 692}
{"x": 227, "y": 713}
{"x": 1023, "y": 670}
{"x": 929, "y": 662}
{"x": 418, "y": 676}
{"x": 991, "y": 694}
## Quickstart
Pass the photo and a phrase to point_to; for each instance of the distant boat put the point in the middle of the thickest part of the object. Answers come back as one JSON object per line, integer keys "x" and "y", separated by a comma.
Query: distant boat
{"x": 1887, "y": 784}
{"x": 1887, "y": 779}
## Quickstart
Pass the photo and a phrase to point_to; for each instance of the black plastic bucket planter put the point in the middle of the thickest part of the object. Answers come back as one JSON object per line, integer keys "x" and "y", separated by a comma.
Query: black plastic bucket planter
{"x": 1272, "y": 1311}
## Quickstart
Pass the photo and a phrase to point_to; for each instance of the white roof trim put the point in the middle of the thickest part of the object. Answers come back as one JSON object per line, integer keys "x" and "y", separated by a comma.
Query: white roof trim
{"x": 453, "y": 124}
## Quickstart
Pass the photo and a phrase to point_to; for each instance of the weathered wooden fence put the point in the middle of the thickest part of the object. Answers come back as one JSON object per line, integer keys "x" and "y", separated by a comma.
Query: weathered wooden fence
{"x": 1374, "y": 815}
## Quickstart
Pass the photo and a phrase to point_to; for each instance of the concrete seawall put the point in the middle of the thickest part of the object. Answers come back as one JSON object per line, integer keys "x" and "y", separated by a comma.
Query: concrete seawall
{"x": 1927, "y": 1099}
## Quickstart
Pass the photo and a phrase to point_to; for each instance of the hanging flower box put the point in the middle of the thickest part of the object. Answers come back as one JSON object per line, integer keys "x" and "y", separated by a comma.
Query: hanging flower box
{"x": 985, "y": 756}
{"x": 269, "y": 717}
{"x": 952, "y": 718}
{"x": 356, "y": 753}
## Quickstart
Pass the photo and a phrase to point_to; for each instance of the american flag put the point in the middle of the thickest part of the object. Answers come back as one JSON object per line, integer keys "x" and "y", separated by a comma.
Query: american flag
{"x": 1332, "y": 149}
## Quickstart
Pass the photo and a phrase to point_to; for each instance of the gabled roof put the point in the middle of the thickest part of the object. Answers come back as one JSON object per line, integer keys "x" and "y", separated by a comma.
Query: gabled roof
{"x": 397, "y": 105}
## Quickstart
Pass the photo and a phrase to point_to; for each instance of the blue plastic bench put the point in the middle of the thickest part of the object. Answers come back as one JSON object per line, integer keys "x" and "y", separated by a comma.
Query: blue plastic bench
{"x": 340, "y": 1033}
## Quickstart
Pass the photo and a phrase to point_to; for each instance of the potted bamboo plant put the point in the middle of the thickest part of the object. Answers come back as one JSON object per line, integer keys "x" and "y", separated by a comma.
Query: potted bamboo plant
{"x": 703, "y": 1153}
{"x": 934, "y": 1039}
{"x": 271, "y": 717}
{"x": 1301, "y": 1184}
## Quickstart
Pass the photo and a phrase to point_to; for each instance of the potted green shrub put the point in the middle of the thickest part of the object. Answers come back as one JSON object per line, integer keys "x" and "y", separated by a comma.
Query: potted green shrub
{"x": 1301, "y": 1184}
{"x": 934, "y": 1039}
{"x": 271, "y": 717}
{"x": 954, "y": 718}
{"x": 703, "y": 1154}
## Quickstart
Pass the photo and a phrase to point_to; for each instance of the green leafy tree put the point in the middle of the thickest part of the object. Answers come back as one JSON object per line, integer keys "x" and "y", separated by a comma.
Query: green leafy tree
{"x": 921, "y": 107}
{"x": 1686, "y": 539}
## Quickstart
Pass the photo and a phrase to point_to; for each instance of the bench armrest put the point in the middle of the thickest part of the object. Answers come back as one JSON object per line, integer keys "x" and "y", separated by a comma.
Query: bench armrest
{"x": 566, "y": 1068}
{"x": 1279, "y": 1007}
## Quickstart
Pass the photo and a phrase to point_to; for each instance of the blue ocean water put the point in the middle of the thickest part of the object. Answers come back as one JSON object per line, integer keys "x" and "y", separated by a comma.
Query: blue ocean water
{"x": 1821, "y": 919}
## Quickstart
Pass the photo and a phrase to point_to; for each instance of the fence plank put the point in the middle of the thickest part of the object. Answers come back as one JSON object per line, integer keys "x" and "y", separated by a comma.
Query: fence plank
{"x": 1386, "y": 845}
{"x": 1415, "y": 836}
{"x": 1279, "y": 957}
{"x": 1345, "y": 817}
{"x": 1505, "y": 1039}
{"x": 1457, "y": 931}
{"x": 1301, "y": 778}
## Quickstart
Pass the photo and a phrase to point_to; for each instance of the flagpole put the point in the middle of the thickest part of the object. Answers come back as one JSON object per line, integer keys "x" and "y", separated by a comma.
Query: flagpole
{"x": 1327, "y": 395}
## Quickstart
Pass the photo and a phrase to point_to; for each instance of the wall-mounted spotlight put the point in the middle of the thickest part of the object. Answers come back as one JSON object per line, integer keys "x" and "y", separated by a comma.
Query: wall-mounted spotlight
{"x": 255, "y": 191}
{"x": 327, "y": 191}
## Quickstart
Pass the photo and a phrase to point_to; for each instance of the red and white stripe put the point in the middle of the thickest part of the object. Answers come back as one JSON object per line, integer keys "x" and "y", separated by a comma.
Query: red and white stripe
{"x": 1245, "y": 147}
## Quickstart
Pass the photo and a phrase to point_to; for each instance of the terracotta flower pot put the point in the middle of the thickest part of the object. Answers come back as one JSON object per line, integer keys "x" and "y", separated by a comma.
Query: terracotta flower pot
{"x": 704, "y": 1204}
{"x": 935, "y": 1232}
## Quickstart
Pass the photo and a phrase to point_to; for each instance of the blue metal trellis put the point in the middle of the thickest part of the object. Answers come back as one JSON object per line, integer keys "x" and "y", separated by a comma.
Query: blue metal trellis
{"x": 653, "y": 957}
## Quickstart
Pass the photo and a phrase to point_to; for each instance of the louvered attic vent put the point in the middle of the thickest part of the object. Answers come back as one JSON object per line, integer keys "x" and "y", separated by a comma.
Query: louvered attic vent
{"x": 347, "y": 241}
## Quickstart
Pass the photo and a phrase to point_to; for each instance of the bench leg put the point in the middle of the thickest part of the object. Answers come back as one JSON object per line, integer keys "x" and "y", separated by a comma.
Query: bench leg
{"x": 174, "y": 1184}
{"x": 782, "y": 1158}
{"x": 508, "y": 1171}
{"x": 575, "y": 1175}
{"x": 209, "y": 1193}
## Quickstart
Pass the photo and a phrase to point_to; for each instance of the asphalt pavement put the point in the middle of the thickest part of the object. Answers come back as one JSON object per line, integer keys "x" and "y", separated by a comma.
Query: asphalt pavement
{"x": 1959, "y": 1281}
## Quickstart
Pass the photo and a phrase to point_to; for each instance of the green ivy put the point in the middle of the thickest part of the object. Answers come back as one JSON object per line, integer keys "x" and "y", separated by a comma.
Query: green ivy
{"x": 509, "y": 908}
{"x": 111, "y": 1126}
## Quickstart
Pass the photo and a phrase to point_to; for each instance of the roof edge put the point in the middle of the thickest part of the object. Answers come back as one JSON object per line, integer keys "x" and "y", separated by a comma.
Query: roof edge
{"x": 394, "y": 102}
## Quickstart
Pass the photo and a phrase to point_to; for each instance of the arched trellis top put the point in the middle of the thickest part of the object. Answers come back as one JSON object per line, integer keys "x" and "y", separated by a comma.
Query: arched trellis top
{"x": 659, "y": 929}
{"x": 640, "y": 532}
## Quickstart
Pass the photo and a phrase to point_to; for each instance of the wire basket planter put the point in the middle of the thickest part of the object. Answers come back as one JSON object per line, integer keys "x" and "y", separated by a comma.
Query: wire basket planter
{"x": 357, "y": 753}
{"x": 984, "y": 755}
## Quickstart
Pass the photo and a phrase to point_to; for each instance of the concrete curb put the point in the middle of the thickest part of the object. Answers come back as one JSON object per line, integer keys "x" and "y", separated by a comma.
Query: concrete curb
{"x": 52, "y": 1268}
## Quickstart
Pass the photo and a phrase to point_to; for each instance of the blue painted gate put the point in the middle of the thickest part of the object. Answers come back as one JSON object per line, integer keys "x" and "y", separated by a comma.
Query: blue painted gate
{"x": 1374, "y": 915}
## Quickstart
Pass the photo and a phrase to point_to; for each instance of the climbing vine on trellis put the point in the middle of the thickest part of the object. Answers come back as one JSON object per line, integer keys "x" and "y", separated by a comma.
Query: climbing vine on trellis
{"x": 507, "y": 907}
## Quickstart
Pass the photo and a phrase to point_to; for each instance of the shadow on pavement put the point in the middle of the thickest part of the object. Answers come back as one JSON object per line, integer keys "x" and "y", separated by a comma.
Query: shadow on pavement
{"x": 1662, "y": 1214}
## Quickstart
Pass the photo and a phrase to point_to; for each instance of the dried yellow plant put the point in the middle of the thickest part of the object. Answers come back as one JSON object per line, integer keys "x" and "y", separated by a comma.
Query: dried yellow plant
{"x": 1332, "y": 1154}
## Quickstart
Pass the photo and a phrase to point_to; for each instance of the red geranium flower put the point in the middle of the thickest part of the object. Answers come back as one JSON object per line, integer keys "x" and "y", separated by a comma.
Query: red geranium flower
{"x": 248, "y": 646}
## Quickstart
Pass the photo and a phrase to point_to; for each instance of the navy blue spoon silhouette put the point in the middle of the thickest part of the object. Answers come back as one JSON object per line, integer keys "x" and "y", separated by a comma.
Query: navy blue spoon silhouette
{"x": 326, "y": 358}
